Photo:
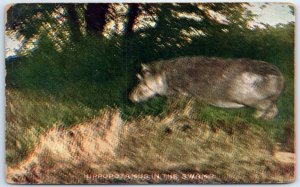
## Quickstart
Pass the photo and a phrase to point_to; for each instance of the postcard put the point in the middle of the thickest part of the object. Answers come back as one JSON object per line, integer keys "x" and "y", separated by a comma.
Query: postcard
{"x": 150, "y": 93}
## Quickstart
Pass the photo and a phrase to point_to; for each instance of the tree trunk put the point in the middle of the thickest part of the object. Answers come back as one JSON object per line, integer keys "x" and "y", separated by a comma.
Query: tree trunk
{"x": 95, "y": 17}
{"x": 73, "y": 22}
{"x": 132, "y": 14}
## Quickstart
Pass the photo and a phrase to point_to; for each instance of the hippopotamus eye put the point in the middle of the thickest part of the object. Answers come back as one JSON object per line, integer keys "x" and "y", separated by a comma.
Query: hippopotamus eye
{"x": 145, "y": 70}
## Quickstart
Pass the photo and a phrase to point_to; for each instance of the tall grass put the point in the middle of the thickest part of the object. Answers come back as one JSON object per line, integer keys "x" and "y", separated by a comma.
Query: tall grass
{"x": 154, "y": 146}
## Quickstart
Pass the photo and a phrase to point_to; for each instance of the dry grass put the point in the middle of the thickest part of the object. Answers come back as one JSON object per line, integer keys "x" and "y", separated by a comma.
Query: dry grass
{"x": 30, "y": 113}
{"x": 173, "y": 145}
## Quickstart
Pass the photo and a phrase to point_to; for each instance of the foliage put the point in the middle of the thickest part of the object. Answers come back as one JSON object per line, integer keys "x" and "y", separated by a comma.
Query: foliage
{"x": 64, "y": 23}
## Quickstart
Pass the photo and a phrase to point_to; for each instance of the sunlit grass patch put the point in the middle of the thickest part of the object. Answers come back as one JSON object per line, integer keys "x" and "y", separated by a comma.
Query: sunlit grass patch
{"x": 29, "y": 113}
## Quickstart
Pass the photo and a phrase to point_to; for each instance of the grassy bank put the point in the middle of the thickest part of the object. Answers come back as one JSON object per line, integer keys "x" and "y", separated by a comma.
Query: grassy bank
{"x": 154, "y": 146}
{"x": 30, "y": 113}
{"x": 73, "y": 84}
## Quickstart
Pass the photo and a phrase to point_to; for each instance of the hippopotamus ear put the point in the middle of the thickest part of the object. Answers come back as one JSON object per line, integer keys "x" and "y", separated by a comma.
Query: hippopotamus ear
{"x": 145, "y": 69}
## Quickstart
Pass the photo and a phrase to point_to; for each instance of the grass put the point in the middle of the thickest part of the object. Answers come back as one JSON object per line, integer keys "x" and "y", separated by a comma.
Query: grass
{"x": 156, "y": 136}
{"x": 174, "y": 144}
{"x": 72, "y": 86}
{"x": 30, "y": 112}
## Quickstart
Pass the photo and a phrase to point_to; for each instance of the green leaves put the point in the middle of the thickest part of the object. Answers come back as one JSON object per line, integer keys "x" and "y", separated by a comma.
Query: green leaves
{"x": 27, "y": 19}
{"x": 172, "y": 24}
